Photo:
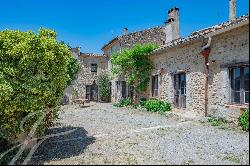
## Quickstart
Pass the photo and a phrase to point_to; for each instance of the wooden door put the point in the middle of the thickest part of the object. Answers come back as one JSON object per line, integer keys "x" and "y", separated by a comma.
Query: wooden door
{"x": 180, "y": 90}
{"x": 88, "y": 92}
{"x": 124, "y": 89}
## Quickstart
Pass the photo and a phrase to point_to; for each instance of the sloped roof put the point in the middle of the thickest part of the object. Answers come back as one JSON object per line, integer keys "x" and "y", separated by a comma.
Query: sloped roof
{"x": 200, "y": 33}
{"x": 92, "y": 55}
{"x": 131, "y": 34}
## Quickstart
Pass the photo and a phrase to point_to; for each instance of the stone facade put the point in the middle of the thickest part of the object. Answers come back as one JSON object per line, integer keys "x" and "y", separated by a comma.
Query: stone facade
{"x": 157, "y": 35}
{"x": 178, "y": 58}
{"x": 85, "y": 76}
{"x": 229, "y": 47}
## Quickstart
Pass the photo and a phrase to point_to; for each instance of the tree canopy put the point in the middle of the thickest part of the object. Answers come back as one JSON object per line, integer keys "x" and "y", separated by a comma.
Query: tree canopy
{"x": 33, "y": 75}
{"x": 134, "y": 64}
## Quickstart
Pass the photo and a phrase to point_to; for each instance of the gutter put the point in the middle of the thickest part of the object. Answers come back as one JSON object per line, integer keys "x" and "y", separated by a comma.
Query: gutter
{"x": 205, "y": 51}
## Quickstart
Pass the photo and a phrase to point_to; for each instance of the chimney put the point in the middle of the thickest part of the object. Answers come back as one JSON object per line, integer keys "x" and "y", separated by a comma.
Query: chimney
{"x": 125, "y": 31}
{"x": 78, "y": 50}
{"x": 172, "y": 25}
{"x": 232, "y": 9}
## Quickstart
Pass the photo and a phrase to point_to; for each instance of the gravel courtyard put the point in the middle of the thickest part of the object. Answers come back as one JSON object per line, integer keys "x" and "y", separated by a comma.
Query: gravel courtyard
{"x": 104, "y": 134}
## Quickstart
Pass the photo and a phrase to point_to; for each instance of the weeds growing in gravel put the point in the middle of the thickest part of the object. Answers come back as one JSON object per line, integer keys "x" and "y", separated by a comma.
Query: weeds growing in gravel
{"x": 244, "y": 120}
{"x": 217, "y": 121}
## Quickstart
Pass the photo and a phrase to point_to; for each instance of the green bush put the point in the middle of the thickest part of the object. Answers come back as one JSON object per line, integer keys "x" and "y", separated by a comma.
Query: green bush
{"x": 33, "y": 76}
{"x": 244, "y": 120}
{"x": 143, "y": 101}
{"x": 154, "y": 105}
{"x": 124, "y": 103}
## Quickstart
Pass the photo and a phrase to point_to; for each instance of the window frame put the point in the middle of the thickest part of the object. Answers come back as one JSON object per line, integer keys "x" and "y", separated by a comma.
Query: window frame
{"x": 242, "y": 90}
{"x": 153, "y": 86}
{"x": 92, "y": 69}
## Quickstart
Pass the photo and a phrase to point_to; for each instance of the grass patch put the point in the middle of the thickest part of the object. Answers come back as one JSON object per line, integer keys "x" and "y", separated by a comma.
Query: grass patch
{"x": 218, "y": 122}
{"x": 244, "y": 120}
{"x": 232, "y": 158}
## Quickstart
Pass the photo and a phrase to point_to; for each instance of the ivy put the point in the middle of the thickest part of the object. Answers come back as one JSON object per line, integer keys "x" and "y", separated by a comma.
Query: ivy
{"x": 134, "y": 64}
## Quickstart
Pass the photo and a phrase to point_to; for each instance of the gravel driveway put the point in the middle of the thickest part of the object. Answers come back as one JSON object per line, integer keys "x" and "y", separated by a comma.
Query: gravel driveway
{"x": 107, "y": 135}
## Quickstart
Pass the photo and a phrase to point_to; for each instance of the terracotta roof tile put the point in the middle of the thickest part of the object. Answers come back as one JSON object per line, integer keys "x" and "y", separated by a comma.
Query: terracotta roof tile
{"x": 200, "y": 33}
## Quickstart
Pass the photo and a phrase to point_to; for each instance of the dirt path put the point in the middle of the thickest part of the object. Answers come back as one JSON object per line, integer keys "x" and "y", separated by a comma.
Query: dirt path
{"x": 107, "y": 135}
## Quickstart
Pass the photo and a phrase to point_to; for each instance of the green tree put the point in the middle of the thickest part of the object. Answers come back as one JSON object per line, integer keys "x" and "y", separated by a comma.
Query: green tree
{"x": 33, "y": 75}
{"x": 103, "y": 86}
{"x": 135, "y": 65}
{"x": 73, "y": 68}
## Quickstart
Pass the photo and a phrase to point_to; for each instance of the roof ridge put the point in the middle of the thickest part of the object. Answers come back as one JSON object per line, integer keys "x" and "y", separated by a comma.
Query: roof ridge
{"x": 199, "y": 33}
{"x": 131, "y": 33}
{"x": 147, "y": 29}
{"x": 91, "y": 54}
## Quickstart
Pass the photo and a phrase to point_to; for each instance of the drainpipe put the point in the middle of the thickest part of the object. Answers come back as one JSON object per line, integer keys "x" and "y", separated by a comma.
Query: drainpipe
{"x": 206, "y": 52}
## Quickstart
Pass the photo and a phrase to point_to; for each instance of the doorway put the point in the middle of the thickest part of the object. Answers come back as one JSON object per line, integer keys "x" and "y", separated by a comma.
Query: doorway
{"x": 124, "y": 89}
{"x": 92, "y": 92}
{"x": 180, "y": 90}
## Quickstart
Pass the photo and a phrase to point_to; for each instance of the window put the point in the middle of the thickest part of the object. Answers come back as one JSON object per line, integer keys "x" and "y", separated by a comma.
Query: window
{"x": 239, "y": 85}
{"x": 155, "y": 85}
{"x": 124, "y": 89}
{"x": 94, "y": 68}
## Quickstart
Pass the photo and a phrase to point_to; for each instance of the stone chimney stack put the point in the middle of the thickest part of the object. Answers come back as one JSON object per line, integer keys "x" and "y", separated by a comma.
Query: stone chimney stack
{"x": 125, "y": 31}
{"x": 76, "y": 52}
{"x": 232, "y": 9}
{"x": 173, "y": 25}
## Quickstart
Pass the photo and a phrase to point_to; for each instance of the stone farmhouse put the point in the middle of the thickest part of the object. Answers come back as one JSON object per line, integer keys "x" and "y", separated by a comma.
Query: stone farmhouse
{"x": 206, "y": 72}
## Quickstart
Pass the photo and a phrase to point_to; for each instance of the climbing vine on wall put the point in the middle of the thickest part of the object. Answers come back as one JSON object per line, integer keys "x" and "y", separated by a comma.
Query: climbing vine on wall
{"x": 134, "y": 64}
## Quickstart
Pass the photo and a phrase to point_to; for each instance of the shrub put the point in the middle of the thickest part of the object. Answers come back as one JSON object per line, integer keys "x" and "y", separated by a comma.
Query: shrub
{"x": 124, "y": 103}
{"x": 154, "y": 105}
{"x": 244, "y": 120}
{"x": 143, "y": 101}
{"x": 33, "y": 76}
{"x": 103, "y": 86}
{"x": 217, "y": 121}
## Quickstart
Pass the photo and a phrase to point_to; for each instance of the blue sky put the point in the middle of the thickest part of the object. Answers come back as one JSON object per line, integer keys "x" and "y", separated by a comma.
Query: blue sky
{"x": 90, "y": 23}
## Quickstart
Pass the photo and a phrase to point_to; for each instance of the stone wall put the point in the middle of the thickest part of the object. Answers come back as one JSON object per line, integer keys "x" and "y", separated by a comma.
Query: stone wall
{"x": 85, "y": 76}
{"x": 229, "y": 47}
{"x": 155, "y": 35}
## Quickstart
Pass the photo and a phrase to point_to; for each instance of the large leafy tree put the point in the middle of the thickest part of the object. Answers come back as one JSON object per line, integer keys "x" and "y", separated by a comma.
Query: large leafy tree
{"x": 73, "y": 68}
{"x": 134, "y": 64}
{"x": 33, "y": 75}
